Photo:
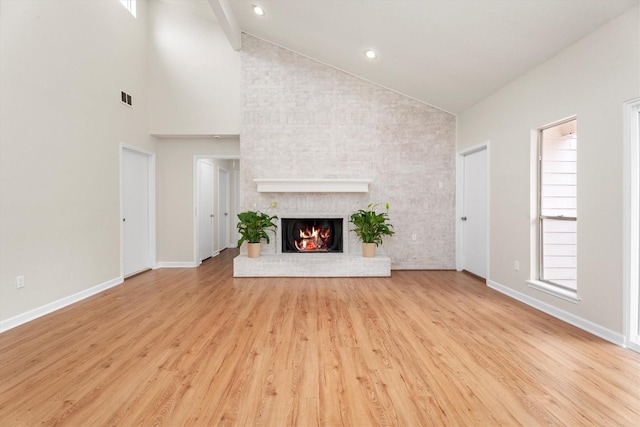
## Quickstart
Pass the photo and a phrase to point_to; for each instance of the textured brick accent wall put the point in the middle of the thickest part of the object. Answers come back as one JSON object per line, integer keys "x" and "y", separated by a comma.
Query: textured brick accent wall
{"x": 303, "y": 119}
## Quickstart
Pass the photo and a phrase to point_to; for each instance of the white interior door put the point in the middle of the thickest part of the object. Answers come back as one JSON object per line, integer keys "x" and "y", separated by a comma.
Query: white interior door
{"x": 631, "y": 223}
{"x": 205, "y": 210}
{"x": 223, "y": 208}
{"x": 636, "y": 284}
{"x": 135, "y": 210}
{"x": 634, "y": 240}
{"x": 236, "y": 189}
{"x": 474, "y": 213}
{"x": 636, "y": 267}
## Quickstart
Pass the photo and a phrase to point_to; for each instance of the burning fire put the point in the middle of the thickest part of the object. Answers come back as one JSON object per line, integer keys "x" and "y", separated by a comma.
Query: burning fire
{"x": 315, "y": 239}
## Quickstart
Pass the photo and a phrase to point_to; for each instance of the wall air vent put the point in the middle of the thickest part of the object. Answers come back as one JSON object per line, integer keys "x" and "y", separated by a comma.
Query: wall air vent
{"x": 125, "y": 98}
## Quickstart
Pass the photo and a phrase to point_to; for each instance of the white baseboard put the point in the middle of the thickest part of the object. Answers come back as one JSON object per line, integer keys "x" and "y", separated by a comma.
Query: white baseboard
{"x": 189, "y": 264}
{"x": 633, "y": 346}
{"x": 584, "y": 324}
{"x": 30, "y": 315}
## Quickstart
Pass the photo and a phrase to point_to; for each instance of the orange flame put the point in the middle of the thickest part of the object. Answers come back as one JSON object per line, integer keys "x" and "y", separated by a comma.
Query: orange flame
{"x": 313, "y": 240}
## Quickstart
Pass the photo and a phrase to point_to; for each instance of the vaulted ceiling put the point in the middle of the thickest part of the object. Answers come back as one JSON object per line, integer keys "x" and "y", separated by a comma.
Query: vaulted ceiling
{"x": 446, "y": 53}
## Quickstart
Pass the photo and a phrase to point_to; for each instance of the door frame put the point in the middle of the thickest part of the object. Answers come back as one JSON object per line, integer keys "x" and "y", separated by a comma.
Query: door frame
{"x": 460, "y": 202}
{"x": 236, "y": 189}
{"x": 196, "y": 200}
{"x": 220, "y": 215}
{"x": 151, "y": 193}
{"x": 631, "y": 224}
{"x": 214, "y": 252}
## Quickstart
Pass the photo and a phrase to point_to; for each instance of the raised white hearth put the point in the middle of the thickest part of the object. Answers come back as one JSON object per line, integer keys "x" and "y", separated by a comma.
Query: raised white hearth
{"x": 312, "y": 265}
{"x": 277, "y": 262}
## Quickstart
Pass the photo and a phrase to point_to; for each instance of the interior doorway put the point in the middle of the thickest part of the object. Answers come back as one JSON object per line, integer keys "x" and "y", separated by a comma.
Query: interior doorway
{"x": 230, "y": 164}
{"x": 137, "y": 206}
{"x": 472, "y": 222}
{"x": 631, "y": 223}
{"x": 206, "y": 208}
{"x": 236, "y": 205}
{"x": 223, "y": 208}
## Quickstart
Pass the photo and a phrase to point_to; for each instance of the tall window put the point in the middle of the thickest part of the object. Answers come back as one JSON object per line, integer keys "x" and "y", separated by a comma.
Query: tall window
{"x": 130, "y": 5}
{"x": 557, "y": 205}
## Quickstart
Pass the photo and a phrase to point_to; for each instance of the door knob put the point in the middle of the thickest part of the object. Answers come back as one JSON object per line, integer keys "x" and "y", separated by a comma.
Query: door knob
{"x": 225, "y": 214}
{"x": 212, "y": 215}
{"x": 464, "y": 218}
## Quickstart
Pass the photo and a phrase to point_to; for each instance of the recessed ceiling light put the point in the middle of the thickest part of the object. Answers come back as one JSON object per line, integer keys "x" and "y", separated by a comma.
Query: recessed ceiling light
{"x": 371, "y": 54}
{"x": 257, "y": 10}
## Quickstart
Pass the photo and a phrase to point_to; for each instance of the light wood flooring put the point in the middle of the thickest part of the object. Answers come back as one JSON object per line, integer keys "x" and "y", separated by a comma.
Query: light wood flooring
{"x": 196, "y": 347}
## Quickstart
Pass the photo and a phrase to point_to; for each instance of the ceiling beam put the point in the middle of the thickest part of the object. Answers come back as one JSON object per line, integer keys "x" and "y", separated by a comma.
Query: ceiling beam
{"x": 227, "y": 20}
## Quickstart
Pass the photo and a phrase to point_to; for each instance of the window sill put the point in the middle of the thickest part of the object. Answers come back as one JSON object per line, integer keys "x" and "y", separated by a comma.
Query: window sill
{"x": 565, "y": 294}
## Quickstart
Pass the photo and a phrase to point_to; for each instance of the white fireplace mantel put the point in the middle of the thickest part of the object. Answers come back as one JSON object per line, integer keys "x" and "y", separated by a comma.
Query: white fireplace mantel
{"x": 313, "y": 185}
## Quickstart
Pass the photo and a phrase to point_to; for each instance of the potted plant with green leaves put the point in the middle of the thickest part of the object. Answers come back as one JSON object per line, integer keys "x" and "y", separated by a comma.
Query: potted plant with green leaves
{"x": 370, "y": 226}
{"x": 253, "y": 227}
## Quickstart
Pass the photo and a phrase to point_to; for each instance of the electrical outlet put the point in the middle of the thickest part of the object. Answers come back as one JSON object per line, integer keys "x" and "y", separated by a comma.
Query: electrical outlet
{"x": 516, "y": 265}
{"x": 19, "y": 282}
{"x": 414, "y": 237}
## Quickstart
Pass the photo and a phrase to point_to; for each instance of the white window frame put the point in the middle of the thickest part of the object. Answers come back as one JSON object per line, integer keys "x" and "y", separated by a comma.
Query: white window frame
{"x": 537, "y": 282}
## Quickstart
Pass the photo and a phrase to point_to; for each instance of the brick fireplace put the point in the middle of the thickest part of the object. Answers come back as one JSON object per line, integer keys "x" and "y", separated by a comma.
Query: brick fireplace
{"x": 328, "y": 258}
{"x": 325, "y": 135}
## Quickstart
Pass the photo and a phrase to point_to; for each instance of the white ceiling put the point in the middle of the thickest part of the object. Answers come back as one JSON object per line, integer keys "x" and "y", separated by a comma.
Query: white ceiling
{"x": 446, "y": 53}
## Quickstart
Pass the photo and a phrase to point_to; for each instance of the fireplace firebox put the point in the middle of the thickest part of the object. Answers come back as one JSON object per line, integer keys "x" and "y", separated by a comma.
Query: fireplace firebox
{"x": 307, "y": 235}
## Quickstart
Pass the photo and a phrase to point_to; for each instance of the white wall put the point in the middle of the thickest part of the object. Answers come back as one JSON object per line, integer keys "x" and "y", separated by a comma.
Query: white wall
{"x": 175, "y": 198}
{"x": 590, "y": 79}
{"x": 194, "y": 75}
{"x": 62, "y": 67}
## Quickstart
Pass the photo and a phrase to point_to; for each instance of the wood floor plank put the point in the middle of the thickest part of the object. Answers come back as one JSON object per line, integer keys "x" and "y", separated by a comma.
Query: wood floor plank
{"x": 197, "y": 347}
